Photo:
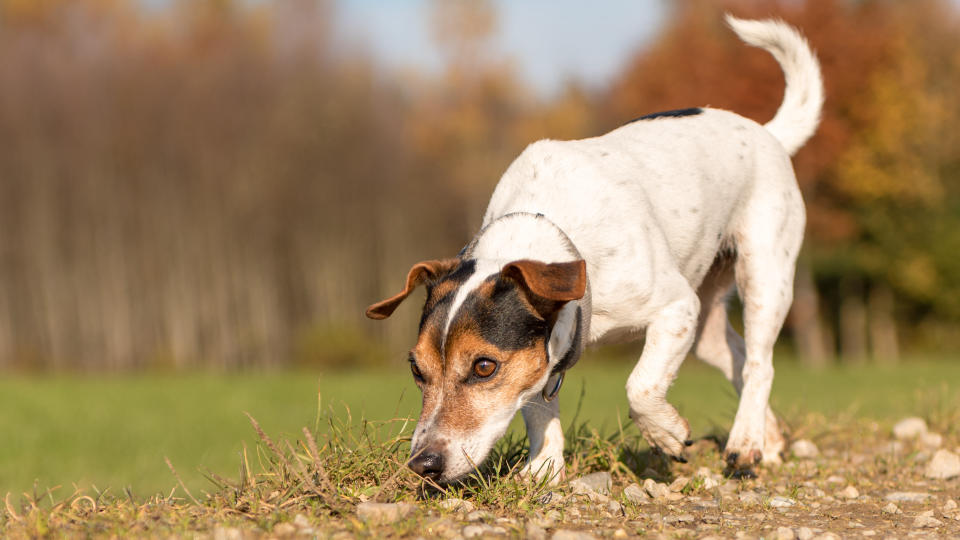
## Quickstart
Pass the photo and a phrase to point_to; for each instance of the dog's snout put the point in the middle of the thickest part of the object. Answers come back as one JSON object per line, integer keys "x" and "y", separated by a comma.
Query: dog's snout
{"x": 427, "y": 464}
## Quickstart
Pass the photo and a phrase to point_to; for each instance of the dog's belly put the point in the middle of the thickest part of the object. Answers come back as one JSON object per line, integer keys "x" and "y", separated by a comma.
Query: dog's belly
{"x": 642, "y": 204}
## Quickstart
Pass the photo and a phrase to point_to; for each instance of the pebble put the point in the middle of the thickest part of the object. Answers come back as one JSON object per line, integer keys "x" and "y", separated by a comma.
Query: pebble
{"x": 682, "y": 518}
{"x": 456, "y": 505}
{"x": 533, "y": 531}
{"x": 907, "y": 496}
{"x": 849, "y": 492}
{"x": 909, "y": 428}
{"x": 949, "y": 505}
{"x": 945, "y": 464}
{"x": 826, "y": 536}
{"x": 620, "y": 533}
{"x": 227, "y": 533}
{"x": 891, "y": 508}
{"x": 749, "y": 498}
{"x": 926, "y": 519}
{"x": 284, "y": 529}
{"x": 598, "y": 482}
{"x": 679, "y": 483}
{"x": 804, "y": 533}
{"x": 371, "y": 512}
{"x": 564, "y": 534}
{"x": 782, "y": 502}
{"x": 655, "y": 489}
{"x": 635, "y": 494}
{"x": 615, "y": 508}
{"x": 482, "y": 529}
{"x": 479, "y": 515}
{"x": 784, "y": 533}
{"x": 834, "y": 479}
{"x": 301, "y": 521}
{"x": 931, "y": 440}
{"x": 804, "y": 449}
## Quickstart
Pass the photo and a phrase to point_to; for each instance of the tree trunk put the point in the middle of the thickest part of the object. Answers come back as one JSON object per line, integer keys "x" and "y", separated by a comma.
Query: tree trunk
{"x": 884, "y": 345}
{"x": 812, "y": 349}
{"x": 853, "y": 322}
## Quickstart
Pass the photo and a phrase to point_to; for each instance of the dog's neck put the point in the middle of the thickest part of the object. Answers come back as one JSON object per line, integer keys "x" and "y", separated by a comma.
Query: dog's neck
{"x": 524, "y": 235}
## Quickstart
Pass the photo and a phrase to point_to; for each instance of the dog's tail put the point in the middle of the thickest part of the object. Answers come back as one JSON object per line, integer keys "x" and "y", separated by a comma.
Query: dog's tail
{"x": 799, "y": 114}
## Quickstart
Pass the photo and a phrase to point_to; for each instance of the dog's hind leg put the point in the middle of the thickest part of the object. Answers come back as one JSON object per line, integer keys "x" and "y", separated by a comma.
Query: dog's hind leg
{"x": 668, "y": 340}
{"x": 720, "y": 346}
{"x": 542, "y": 419}
{"x": 767, "y": 239}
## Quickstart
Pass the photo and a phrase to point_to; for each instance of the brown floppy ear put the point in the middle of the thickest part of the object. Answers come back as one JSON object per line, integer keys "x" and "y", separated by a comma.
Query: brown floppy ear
{"x": 418, "y": 274}
{"x": 550, "y": 285}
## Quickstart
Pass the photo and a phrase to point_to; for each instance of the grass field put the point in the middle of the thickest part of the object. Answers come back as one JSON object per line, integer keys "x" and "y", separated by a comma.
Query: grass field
{"x": 114, "y": 432}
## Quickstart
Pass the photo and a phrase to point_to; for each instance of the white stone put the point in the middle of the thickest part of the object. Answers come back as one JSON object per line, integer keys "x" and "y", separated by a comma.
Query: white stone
{"x": 910, "y": 428}
{"x": 371, "y": 512}
{"x": 655, "y": 489}
{"x": 784, "y": 533}
{"x": 945, "y": 464}
{"x": 598, "y": 482}
{"x": 949, "y": 505}
{"x": 679, "y": 483}
{"x": 804, "y": 533}
{"x": 931, "y": 440}
{"x": 907, "y": 496}
{"x": 456, "y": 505}
{"x": 891, "y": 508}
{"x": 481, "y": 529}
{"x": 804, "y": 449}
{"x": 926, "y": 519}
{"x": 564, "y": 534}
{"x": 749, "y": 498}
{"x": 849, "y": 492}
{"x": 635, "y": 494}
{"x": 781, "y": 502}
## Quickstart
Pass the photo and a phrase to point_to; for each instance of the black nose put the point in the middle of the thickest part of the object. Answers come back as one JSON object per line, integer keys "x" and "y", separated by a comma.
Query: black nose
{"x": 427, "y": 464}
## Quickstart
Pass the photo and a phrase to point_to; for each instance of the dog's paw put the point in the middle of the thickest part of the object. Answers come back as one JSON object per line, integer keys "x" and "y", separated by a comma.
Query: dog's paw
{"x": 551, "y": 469}
{"x": 665, "y": 429}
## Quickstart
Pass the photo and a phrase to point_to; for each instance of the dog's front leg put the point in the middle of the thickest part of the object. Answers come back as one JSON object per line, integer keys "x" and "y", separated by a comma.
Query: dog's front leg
{"x": 542, "y": 419}
{"x": 668, "y": 339}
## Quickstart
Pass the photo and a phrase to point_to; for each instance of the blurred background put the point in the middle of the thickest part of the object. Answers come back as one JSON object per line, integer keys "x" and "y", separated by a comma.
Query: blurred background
{"x": 226, "y": 185}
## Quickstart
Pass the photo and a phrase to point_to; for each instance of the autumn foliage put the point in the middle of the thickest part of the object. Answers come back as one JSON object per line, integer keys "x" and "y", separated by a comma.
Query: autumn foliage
{"x": 221, "y": 184}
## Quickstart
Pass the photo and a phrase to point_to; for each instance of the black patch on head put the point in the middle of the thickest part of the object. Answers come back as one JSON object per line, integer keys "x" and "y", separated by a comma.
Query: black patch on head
{"x": 677, "y": 113}
{"x": 503, "y": 319}
{"x": 441, "y": 305}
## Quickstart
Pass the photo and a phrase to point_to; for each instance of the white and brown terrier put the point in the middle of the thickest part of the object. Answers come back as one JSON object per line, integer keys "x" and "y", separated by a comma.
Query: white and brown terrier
{"x": 639, "y": 232}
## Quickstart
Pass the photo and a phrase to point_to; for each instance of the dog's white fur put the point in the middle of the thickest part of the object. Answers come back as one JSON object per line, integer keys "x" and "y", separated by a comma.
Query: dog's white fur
{"x": 649, "y": 206}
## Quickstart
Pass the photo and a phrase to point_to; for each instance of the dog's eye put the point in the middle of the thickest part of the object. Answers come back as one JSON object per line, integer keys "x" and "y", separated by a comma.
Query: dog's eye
{"x": 484, "y": 367}
{"x": 415, "y": 370}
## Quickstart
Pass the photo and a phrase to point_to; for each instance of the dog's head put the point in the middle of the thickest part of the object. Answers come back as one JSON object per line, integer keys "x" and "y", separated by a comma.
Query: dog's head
{"x": 489, "y": 336}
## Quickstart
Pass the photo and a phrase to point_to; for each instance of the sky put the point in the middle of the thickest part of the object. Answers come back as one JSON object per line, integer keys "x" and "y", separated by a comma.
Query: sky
{"x": 549, "y": 41}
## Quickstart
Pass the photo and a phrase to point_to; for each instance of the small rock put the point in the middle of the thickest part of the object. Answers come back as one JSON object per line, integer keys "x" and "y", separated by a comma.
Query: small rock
{"x": 481, "y": 529}
{"x": 945, "y": 464}
{"x": 804, "y": 533}
{"x": 533, "y": 531}
{"x": 635, "y": 494}
{"x": 926, "y": 519}
{"x": 849, "y": 492}
{"x": 891, "y": 508}
{"x": 709, "y": 483}
{"x": 949, "y": 505}
{"x": 834, "y": 479}
{"x": 301, "y": 521}
{"x": 677, "y": 485}
{"x": 284, "y": 529}
{"x": 784, "y": 533}
{"x": 456, "y": 505}
{"x": 906, "y": 496}
{"x": 749, "y": 498}
{"x": 620, "y": 533}
{"x": 479, "y": 515}
{"x": 826, "y": 536}
{"x": 598, "y": 482}
{"x": 371, "y": 512}
{"x": 682, "y": 518}
{"x": 703, "y": 472}
{"x": 931, "y": 440}
{"x": 781, "y": 502}
{"x": 655, "y": 489}
{"x": 804, "y": 449}
{"x": 615, "y": 508}
{"x": 227, "y": 533}
{"x": 564, "y": 534}
{"x": 909, "y": 428}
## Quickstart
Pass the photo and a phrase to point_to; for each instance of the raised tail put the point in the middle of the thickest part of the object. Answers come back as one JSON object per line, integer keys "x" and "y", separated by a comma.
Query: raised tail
{"x": 799, "y": 114}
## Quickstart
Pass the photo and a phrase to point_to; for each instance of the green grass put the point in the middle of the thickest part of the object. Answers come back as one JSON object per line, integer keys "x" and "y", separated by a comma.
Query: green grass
{"x": 115, "y": 431}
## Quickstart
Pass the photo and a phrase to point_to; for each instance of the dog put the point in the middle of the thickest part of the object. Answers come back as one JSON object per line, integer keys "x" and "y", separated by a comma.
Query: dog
{"x": 638, "y": 233}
